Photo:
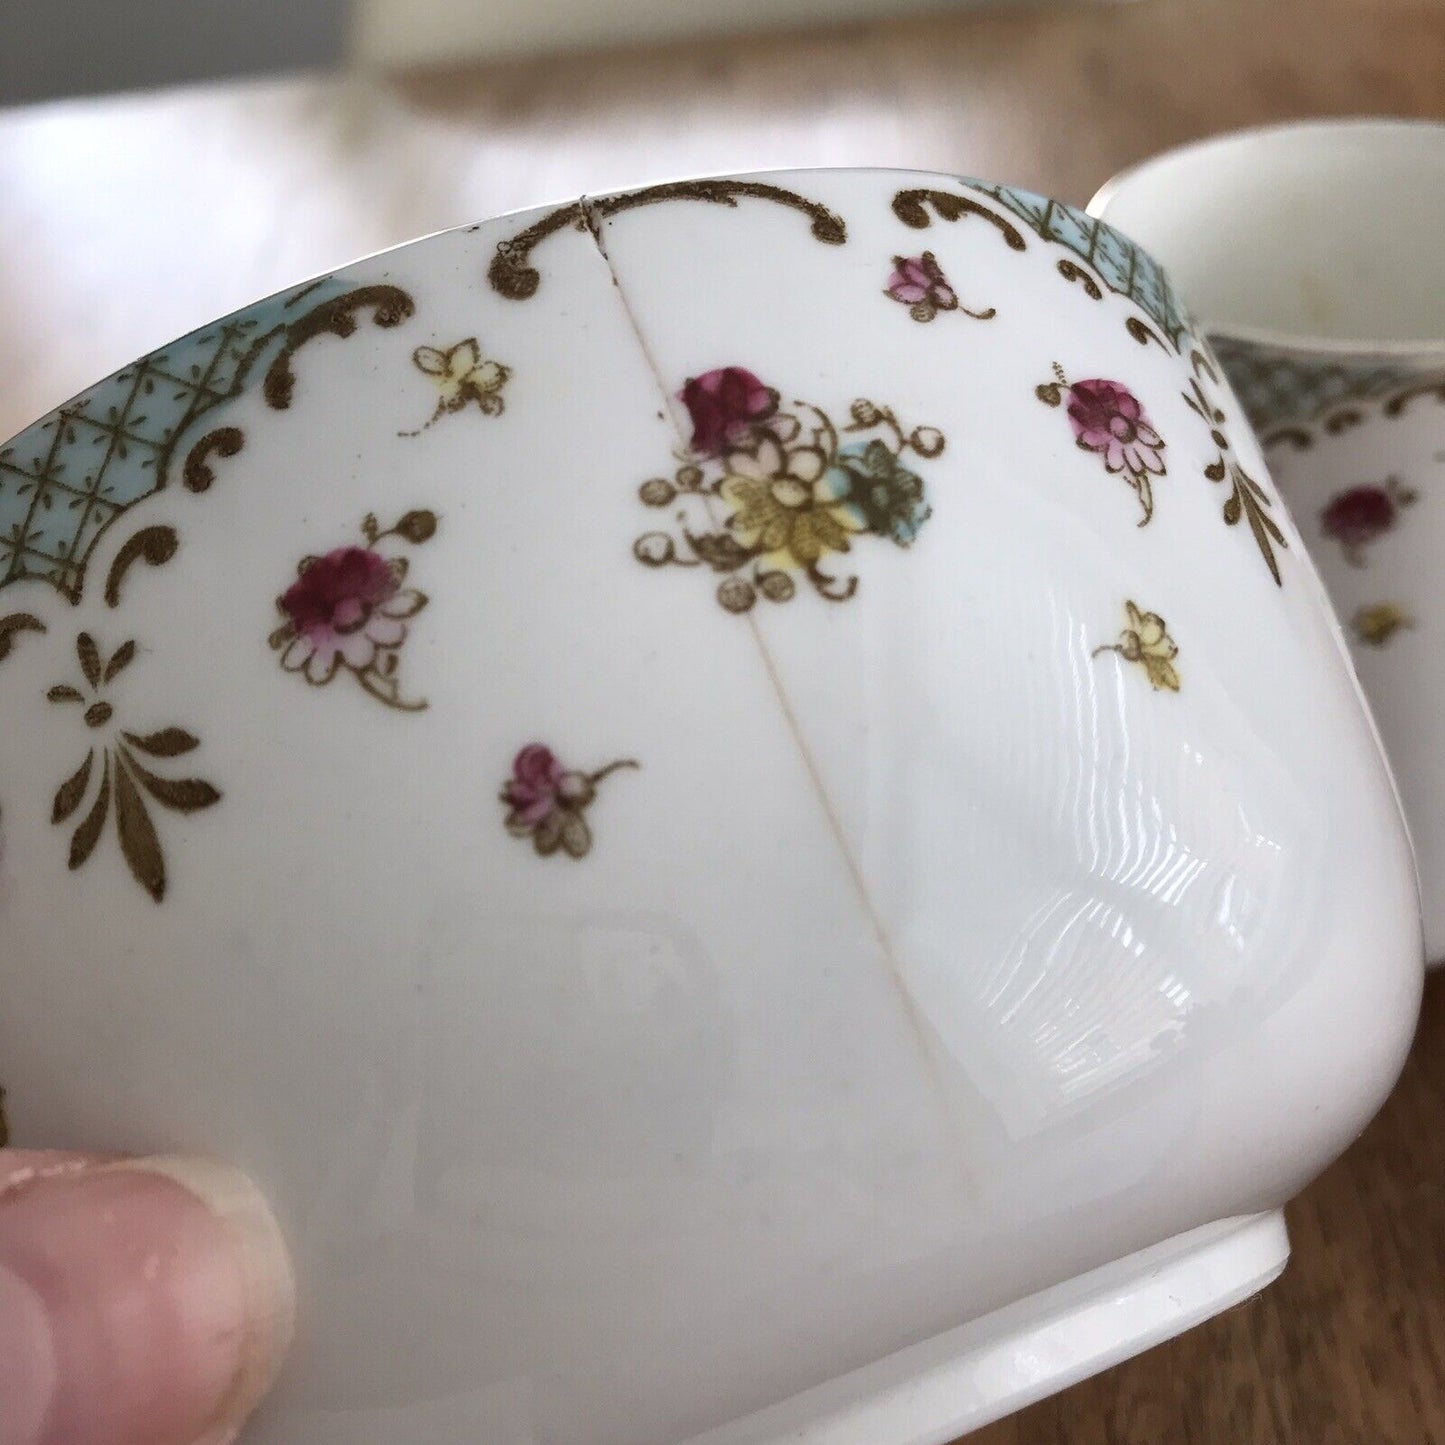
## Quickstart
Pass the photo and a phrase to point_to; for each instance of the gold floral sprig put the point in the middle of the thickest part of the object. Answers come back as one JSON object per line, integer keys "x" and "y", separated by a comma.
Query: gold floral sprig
{"x": 124, "y": 781}
{"x": 462, "y": 375}
{"x": 1145, "y": 640}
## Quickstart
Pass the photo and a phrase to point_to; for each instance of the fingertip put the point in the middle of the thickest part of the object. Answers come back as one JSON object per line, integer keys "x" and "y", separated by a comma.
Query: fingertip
{"x": 263, "y": 1266}
{"x": 151, "y": 1299}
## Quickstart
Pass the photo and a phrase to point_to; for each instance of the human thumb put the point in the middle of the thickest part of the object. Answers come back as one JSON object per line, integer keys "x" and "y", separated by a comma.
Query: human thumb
{"x": 142, "y": 1301}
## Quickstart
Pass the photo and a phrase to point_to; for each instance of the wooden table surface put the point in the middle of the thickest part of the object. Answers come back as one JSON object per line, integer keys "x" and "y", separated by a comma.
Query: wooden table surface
{"x": 124, "y": 222}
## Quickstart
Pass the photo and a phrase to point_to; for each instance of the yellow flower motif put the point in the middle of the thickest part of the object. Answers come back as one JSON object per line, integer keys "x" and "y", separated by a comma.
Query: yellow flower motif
{"x": 462, "y": 375}
{"x": 784, "y": 504}
{"x": 1146, "y": 640}
{"x": 785, "y": 521}
{"x": 1377, "y": 624}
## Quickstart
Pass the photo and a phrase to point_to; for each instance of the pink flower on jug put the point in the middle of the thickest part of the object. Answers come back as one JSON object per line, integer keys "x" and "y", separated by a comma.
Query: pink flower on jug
{"x": 724, "y": 404}
{"x": 1361, "y": 514}
{"x": 344, "y": 609}
{"x": 1108, "y": 419}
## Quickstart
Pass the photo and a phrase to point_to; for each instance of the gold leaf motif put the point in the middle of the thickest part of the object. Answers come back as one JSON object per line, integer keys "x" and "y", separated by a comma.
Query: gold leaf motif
{"x": 124, "y": 655}
{"x": 123, "y": 777}
{"x": 83, "y": 841}
{"x": 138, "y": 841}
{"x": 182, "y": 795}
{"x": 72, "y": 790}
{"x": 167, "y": 743}
{"x": 576, "y": 835}
{"x": 416, "y": 526}
{"x": 89, "y": 656}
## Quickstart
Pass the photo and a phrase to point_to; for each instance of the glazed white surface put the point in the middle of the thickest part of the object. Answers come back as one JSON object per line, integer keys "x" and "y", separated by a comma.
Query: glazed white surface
{"x": 1306, "y": 250}
{"x": 930, "y": 958}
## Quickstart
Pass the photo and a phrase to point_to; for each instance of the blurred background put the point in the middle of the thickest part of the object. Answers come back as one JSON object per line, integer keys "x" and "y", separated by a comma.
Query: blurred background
{"x": 208, "y": 39}
{"x": 163, "y": 162}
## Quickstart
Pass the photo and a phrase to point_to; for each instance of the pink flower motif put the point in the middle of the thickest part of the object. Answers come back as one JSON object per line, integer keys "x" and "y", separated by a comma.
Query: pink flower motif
{"x": 919, "y": 283}
{"x": 344, "y": 609}
{"x": 723, "y": 405}
{"x": 546, "y": 801}
{"x": 917, "y": 277}
{"x": 533, "y": 789}
{"x": 1108, "y": 419}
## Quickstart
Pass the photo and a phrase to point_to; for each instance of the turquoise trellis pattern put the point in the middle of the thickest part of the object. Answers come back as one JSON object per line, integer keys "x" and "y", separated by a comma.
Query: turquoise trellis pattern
{"x": 1276, "y": 387}
{"x": 67, "y": 477}
{"x": 1117, "y": 261}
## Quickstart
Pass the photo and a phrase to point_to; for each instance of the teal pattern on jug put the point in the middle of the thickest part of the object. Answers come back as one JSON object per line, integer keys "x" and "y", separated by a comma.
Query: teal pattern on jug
{"x": 1276, "y": 386}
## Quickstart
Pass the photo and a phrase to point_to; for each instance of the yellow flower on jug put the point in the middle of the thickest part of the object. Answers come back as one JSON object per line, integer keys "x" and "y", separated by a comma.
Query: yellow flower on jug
{"x": 1378, "y": 623}
{"x": 1146, "y": 640}
{"x": 462, "y": 375}
{"x": 787, "y": 505}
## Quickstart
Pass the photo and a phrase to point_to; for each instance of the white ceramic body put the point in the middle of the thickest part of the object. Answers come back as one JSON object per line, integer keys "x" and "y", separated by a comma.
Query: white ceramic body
{"x": 916, "y": 970}
{"x": 1309, "y": 253}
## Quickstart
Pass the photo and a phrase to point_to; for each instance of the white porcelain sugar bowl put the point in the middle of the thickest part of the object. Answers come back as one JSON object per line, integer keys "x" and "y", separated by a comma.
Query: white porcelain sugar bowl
{"x": 738, "y": 796}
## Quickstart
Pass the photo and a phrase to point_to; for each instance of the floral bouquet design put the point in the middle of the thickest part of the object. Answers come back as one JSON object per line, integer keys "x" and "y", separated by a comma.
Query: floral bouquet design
{"x": 766, "y": 495}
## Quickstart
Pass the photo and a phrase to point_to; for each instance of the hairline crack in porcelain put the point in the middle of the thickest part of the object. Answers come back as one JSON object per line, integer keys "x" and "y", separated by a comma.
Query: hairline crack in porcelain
{"x": 707, "y": 786}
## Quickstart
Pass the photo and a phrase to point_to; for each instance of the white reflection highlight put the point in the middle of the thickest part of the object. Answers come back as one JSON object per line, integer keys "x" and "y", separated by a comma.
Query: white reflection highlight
{"x": 1107, "y": 879}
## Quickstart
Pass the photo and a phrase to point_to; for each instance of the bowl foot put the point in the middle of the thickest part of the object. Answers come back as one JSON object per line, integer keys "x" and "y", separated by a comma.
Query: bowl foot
{"x": 933, "y": 1392}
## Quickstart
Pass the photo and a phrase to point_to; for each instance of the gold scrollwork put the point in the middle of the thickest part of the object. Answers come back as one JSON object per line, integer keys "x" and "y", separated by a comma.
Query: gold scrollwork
{"x": 1247, "y": 499}
{"x": 511, "y": 273}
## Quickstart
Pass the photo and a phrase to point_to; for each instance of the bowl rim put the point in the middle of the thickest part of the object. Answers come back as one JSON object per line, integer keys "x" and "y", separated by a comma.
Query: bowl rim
{"x": 1426, "y": 351}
